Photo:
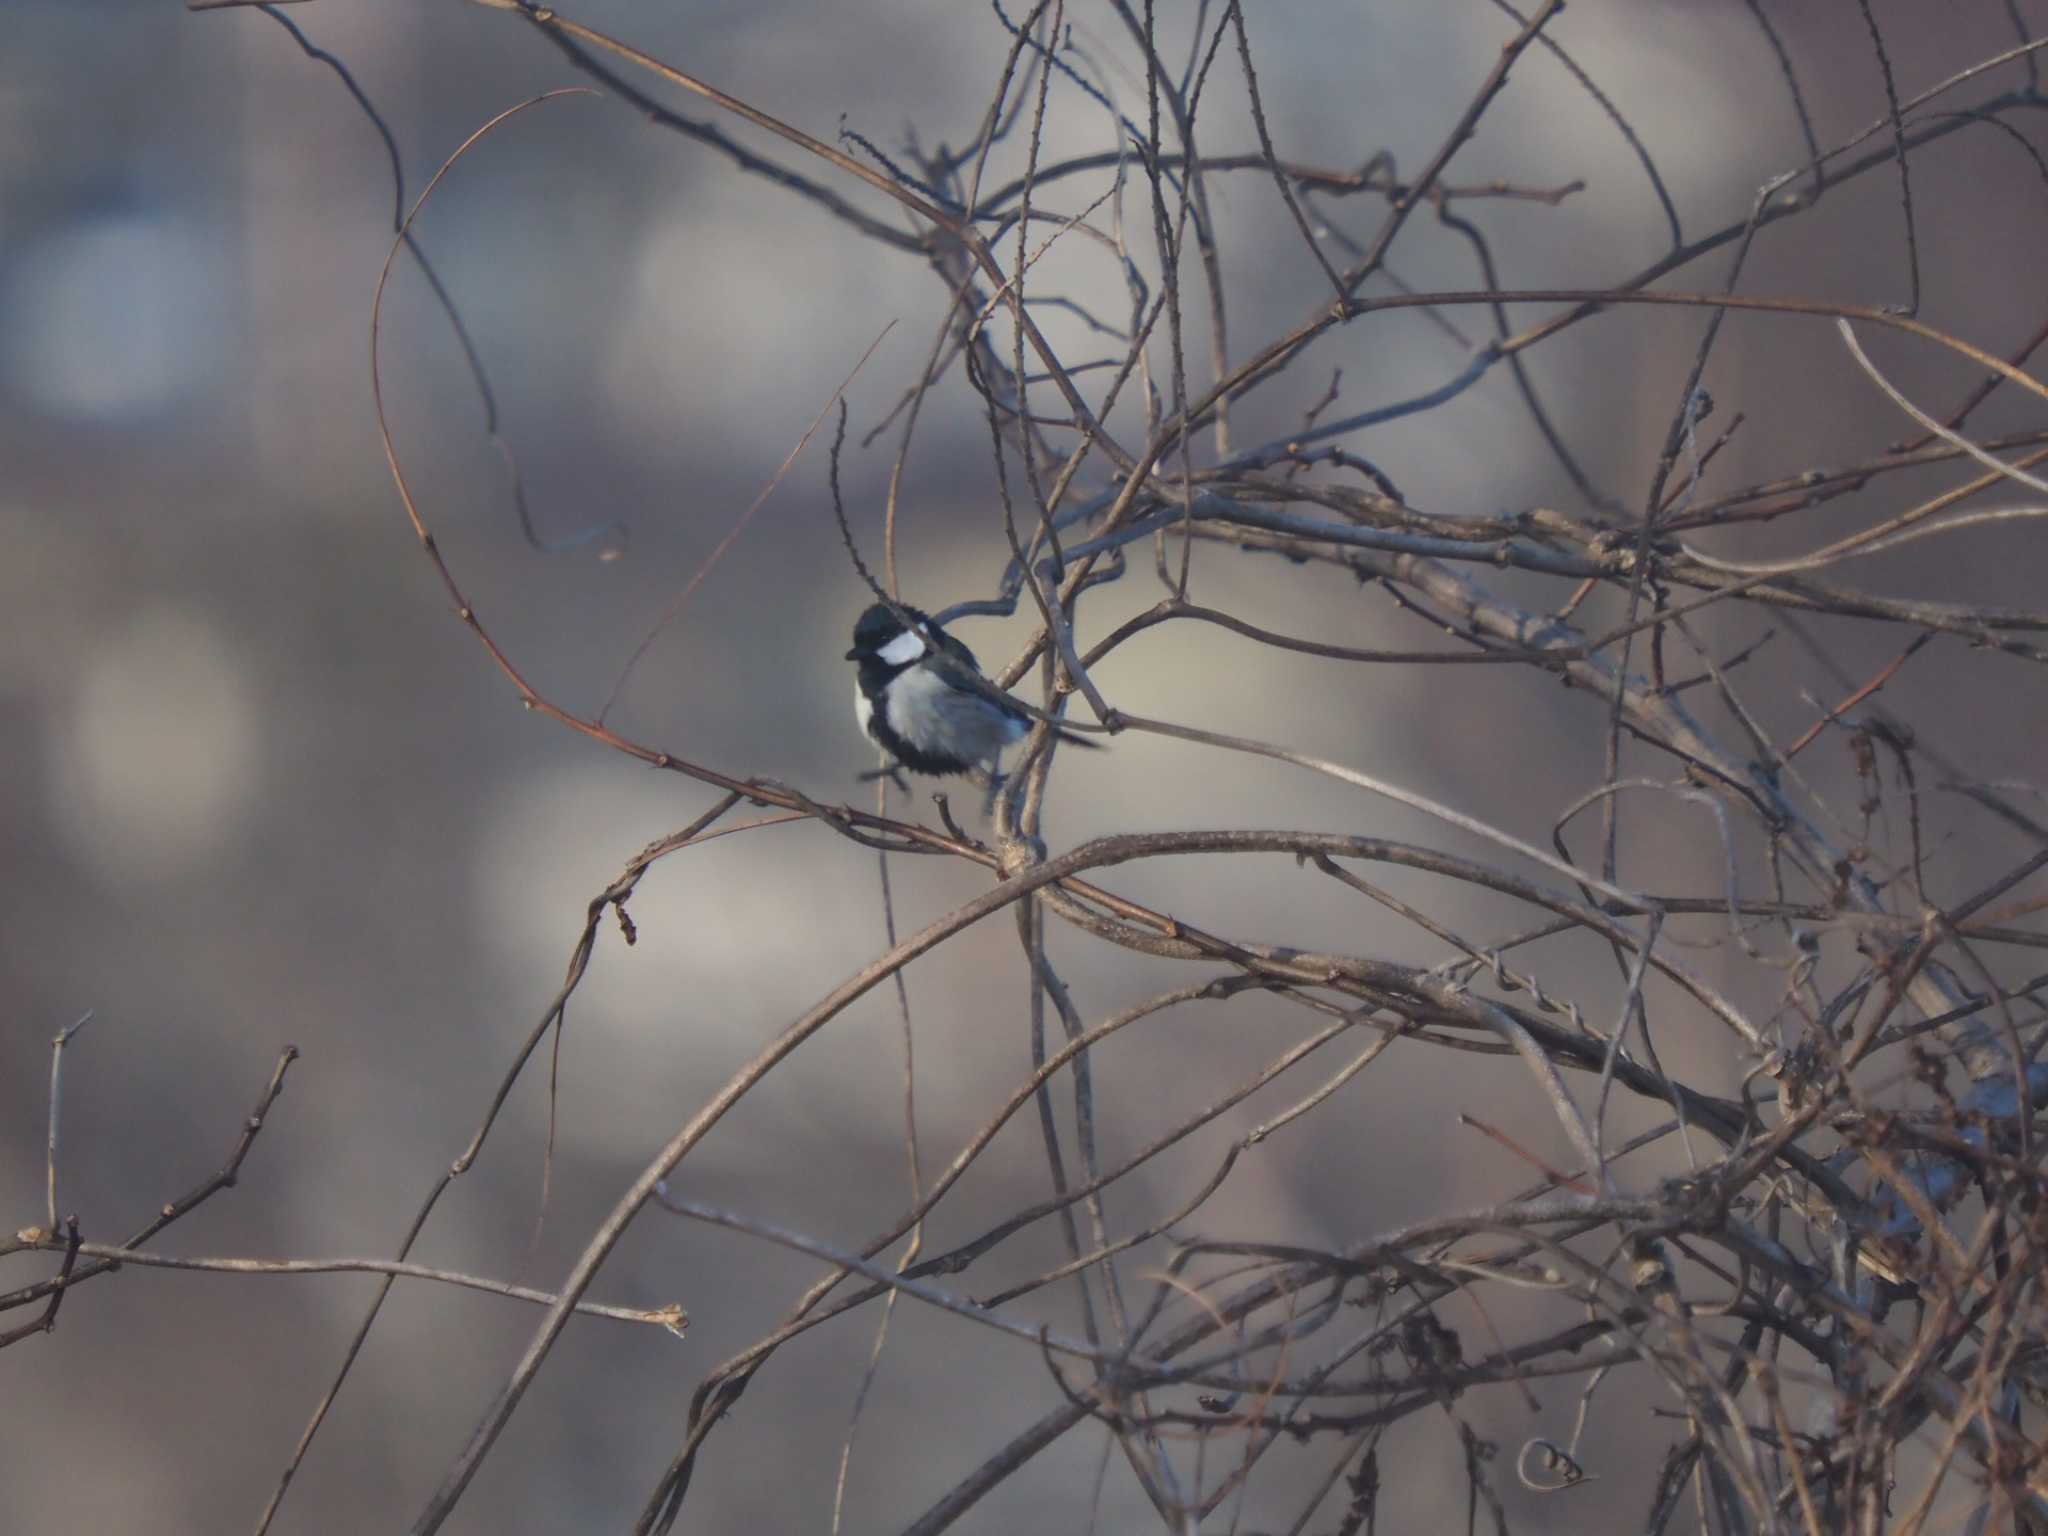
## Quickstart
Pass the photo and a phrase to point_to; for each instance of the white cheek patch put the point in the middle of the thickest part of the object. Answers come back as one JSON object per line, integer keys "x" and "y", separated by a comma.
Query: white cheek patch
{"x": 903, "y": 650}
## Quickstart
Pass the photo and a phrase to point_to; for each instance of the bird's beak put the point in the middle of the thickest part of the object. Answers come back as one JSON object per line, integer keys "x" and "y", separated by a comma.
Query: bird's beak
{"x": 854, "y": 654}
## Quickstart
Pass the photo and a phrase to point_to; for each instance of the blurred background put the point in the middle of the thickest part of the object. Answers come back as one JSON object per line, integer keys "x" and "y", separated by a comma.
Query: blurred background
{"x": 258, "y": 786}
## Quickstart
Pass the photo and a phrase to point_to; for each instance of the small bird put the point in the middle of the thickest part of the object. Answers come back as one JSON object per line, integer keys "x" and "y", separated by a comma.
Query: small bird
{"x": 915, "y": 692}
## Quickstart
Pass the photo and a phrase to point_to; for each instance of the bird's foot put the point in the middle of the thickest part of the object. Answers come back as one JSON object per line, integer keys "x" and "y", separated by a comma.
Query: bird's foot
{"x": 893, "y": 773}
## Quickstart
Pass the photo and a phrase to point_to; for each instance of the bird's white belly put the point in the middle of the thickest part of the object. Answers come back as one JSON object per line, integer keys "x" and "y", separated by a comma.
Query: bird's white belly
{"x": 935, "y": 717}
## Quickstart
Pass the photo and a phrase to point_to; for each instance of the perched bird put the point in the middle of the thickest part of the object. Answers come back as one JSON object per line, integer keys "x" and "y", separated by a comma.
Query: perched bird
{"x": 920, "y": 694}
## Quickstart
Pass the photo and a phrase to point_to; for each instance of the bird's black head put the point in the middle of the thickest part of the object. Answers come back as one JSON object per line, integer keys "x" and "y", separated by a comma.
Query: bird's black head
{"x": 877, "y": 627}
